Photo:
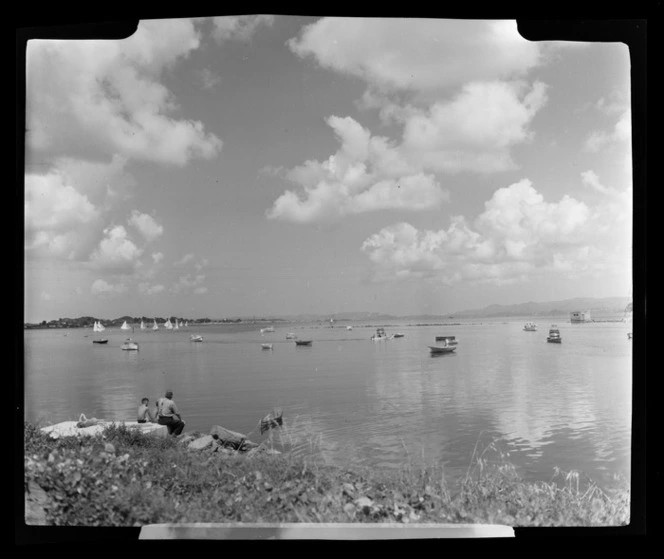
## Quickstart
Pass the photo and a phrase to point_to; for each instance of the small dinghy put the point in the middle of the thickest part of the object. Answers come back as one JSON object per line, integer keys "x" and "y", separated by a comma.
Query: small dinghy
{"x": 99, "y": 341}
{"x": 195, "y": 338}
{"x": 441, "y": 349}
{"x": 266, "y": 346}
{"x": 303, "y": 342}
{"x": 130, "y": 345}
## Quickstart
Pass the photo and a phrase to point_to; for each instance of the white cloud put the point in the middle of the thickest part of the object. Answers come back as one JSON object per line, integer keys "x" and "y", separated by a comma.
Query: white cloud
{"x": 188, "y": 282}
{"x": 621, "y": 132}
{"x": 147, "y": 289}
{"x": 420, "y": 55}
{"x": 105, "y": 96}
{"x": 116, "y": 252}
{"x": 518, "y": 235}
{"x": 186, "y": 258}
{"x": 157, "y": 257}
{"x": 146, "y": 225}
{"x": 365, "y": 174}
{"x": 241, "y": 28}
{"x": 104, "y": 289}
{"x": 209, "y": 79}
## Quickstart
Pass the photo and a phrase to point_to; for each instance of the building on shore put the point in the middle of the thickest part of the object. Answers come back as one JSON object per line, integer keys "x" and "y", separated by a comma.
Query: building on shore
{"x": 580, "y": 316}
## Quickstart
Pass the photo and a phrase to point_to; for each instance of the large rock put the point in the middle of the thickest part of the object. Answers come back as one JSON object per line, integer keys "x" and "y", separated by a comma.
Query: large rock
{"x": 232, "y": 439}
{"x": 69, "y": 428}
{"x": 201, "y": 443}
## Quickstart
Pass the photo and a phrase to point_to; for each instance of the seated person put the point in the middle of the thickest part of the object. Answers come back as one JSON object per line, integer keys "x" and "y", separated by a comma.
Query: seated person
{"x": 169, "y": 414}
{"x": 144, "y": 413}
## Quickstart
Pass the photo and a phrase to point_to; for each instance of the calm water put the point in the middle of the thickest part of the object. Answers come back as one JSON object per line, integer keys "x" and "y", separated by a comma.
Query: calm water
{"x": 374, "y": 403}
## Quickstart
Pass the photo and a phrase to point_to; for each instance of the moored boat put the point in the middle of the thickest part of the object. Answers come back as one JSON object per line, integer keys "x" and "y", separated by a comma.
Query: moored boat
{"x": 399, "y": 335}
{"x": 290, "y": 336}
{"x": 554, "y": 335}
{"x": 195, "y": 338}
{"x": 442, "y": 349}
{"x": 125, "y": 326}
{"x": 104, "y": 341}
{"x": 154, "y": 326}
{"x": 129, "y": 345}
{"x": 303, "y": 342}
{"x": 530, "y": 327}
{"x": 267, "y": 330}
{"x": 349, "y": 327}
{"x": 449, "y": 340}
{"x": 266, "y": 346}
{"x": 380, "y": 335}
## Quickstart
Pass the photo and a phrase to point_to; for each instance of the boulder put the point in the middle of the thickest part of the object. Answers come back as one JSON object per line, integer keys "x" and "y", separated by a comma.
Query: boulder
{"x": 201, "y": 443}
{"x": 231, "y": 439}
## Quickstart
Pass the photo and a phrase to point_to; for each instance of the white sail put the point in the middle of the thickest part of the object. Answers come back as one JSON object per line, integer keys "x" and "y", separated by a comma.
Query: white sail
{"x": 186, "y": 324}
{"x": 100, "y": 327}
{"x": 95, "y": 327}
{"x": 168, "y": 325}
{"x": 154, "y": 326}
{"x": 177, "y": 327}
{"x": 142, "y": 324}
{"x": 125, "y": 326}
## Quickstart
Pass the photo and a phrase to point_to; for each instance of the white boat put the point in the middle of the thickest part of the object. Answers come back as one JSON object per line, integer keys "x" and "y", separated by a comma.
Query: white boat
{"x": 142, "y": 325}
{"x": 266, "y": 346}
{"x": 266, "y": 330}
{"x": 154, "y": 326}
{"x": 176, "y": 327}
{"x": 349, "y": 327}
{"x": 98, "y": 327}
{"x": 186, "y": 324}
{"x": 125, "y": 326}
{"x": 554, "y": 335}
{"x": 195, "y": 338}
{"x": 130, "y": 345}
{"x": 449, "y": 340}
{"x": 380, "y": 335}
{"x": 442, "y": 349}
{"x": 168, "y": 324}
{"x": 290, "y": 336}
{"x": 530, "y": 327}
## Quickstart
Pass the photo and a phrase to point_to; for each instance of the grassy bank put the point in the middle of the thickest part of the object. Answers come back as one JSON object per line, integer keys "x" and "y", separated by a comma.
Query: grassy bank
{"x": 123, "y": 478}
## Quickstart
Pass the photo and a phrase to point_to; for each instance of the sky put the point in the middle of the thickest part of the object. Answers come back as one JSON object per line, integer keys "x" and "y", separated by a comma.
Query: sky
{"x": 266, "y": 165}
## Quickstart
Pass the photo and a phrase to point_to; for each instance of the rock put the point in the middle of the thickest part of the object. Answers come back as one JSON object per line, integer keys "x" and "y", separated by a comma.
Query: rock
{"x": 108, "y": 447}
{"x": 201, "y": 443}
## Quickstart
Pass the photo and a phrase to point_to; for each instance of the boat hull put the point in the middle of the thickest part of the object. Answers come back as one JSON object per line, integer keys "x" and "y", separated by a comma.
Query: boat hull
{"x": 130, "y": 347}
{"x": 554, "y": 340}
{"x": 99, "y": 341}
{"x": 303, "y": 343}
{"x": 439, "y": 350}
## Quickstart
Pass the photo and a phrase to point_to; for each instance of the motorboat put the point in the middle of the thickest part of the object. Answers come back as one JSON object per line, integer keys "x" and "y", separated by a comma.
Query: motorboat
{"x": 267, "y": 330}
{"x": 266, "y": 346}
{"x": 441, "y": 349}
{"x": 303, "y": 342}
{"x": 195, "y": 338}
{"x": 104, "y": 341}
{"x": 530, "y": 327}
{"x": 380, "y": 335}
{"x": 448, "y": 340}
{"x": 130, "y": 345}
{"x": 554, "y": 335}
{"x": 399, "y": 335}
{"x": 290, "y": 336}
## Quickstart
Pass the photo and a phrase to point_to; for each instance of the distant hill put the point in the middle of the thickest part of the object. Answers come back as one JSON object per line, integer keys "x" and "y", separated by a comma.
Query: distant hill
{"x": 607, "y": 305}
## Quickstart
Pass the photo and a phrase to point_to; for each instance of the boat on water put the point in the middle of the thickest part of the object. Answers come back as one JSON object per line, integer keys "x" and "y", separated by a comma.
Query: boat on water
{"x": 142, "y": 325}
{"x": 125, "y": 326}
{"x": 349, "y": 327}
{"x": 380, "y": 335}
{"x": 448, "y": 340}
{"x": 399, "y": 335}
{"x": 303, "y": 342}
{"x": 195, "y": 338}
{"x": 168, "y": 324}
{"x": 186, "y": 324}
{"x": 554, "y": 335}
{"x": 441, "y": 349}
{"x": 530, "y": 327}
{"x": 129, "y": 345}
{"x": 267, "y": 330}
{"x": 290, "y": 336}
{"x": 177, "y": 326}
{"x": 98, "y": 327}
{"x": 104, "y": 341}
{"x": 266, "y": 346}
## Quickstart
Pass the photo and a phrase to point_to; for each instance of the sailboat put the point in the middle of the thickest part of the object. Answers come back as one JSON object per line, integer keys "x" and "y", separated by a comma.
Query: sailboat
{"x": 142, "y": 324}
{"x": 99, "y": 327}
{"x": 154, "y": 326}
{"x": 177, "y": 326}
{"x": 168, "y": 324}
{"x": 186, "y": 324}
{"x": 125, "y": 326}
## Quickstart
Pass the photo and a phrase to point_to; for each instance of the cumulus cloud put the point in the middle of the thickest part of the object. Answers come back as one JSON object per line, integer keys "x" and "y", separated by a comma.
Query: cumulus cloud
{"x": 147, "y": 289}
{"x": 621, "y": 132}
{"x": 106, "y": 96}
{"x": 240, "y": 28}
{"x": 365, "y": 174}
{"x": 189, "y": 282}
{"x": 420, "y": 55}
{"x": 104, "y": 289}
{"x": 116, "y": 252}
{"x": 186, "y": 258}
{"x": 518, "y": 235}
{"x": 209, "y": 79}
{"x": 146, "y": 225}
{"x": 157, "y": 257}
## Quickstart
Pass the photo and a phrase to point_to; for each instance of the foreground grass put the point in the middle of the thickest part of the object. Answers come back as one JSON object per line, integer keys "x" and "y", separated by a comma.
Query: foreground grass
{"x": 123, "y": 478}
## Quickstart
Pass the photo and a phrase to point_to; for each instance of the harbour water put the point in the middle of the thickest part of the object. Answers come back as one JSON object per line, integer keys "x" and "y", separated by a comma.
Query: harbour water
{"x": 378, "y": 404}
